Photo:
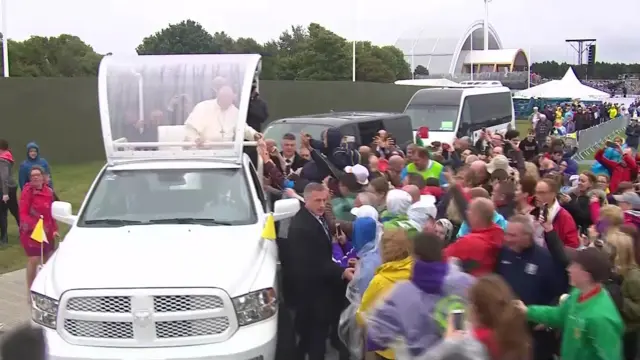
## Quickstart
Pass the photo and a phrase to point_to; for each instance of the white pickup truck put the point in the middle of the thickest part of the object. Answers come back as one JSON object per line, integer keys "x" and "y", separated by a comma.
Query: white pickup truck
{"x": 165, "y": 258}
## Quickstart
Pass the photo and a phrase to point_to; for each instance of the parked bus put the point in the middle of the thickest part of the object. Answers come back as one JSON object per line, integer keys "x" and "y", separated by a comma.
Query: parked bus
{"x": 451, "y": 113}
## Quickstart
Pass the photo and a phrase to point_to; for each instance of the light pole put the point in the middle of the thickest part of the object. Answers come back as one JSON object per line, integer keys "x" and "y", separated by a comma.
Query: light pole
{"x": 486, "y": 24}
{"x": 5, "y": 48}
{"x": 413, "y": 48}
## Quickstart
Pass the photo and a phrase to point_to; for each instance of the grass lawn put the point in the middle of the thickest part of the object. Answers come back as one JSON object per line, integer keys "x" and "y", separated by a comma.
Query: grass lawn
{"x": 71, "y": 183}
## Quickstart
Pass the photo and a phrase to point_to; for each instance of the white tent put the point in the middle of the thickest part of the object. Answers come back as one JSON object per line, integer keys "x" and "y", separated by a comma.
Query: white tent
{"x": 438, "y": 83}
{"x": 568, "y": 87}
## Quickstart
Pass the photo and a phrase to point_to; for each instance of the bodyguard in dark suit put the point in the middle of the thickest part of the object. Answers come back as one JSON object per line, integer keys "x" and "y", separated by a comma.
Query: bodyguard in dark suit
{"x": 533, "y": 275}
{"x": 315, "y": 276}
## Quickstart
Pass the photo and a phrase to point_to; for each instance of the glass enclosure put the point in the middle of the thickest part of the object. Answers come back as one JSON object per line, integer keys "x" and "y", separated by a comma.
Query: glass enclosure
{"x": 180, "y": 103}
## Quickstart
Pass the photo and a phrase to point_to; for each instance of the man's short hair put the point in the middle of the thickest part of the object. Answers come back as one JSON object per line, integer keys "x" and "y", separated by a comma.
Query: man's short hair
{"x": 525, "y": 221}
{"x": 313, "y": 187}
{"x": 484, "y": 208}
{"x": 367, "y": 198}
{"x": 427, "y": 247}
{"x": 416, "y": 179}
{"x": 512, "y": 134}
{"x": 289, "y": 136}
{"x": 422, "y": 153}
{"x": 4, "y": 145}
{"x": 479, "y": 193}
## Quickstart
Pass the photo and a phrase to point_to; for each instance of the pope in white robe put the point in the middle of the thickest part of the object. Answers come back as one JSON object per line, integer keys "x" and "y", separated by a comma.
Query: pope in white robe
{"x": 215, "y": 120}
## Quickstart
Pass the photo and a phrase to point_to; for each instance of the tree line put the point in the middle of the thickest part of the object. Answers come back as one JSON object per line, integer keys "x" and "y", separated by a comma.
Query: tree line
{"x": 299, "y": 53}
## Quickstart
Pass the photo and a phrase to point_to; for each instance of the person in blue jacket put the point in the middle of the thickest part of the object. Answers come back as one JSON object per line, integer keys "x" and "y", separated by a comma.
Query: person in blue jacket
{"x": 33, "y": 158}
{"x": 533, "y": 274}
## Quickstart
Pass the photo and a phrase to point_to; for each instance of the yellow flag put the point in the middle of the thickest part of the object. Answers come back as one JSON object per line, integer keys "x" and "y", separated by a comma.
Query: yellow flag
{"x": 269, "y": 230}
{"x": 38, "y": 233}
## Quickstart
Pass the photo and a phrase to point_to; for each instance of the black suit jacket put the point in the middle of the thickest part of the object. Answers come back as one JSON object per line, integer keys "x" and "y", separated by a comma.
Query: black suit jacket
{"x": 297, "y": 162}
{"x": 312, "y": 271}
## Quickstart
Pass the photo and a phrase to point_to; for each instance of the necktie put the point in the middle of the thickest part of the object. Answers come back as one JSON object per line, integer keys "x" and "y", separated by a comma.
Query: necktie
{"x": 325, "y": 226}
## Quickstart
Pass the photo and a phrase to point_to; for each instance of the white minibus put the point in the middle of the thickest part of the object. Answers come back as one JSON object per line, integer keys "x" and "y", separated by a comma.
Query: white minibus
{"x": 451, "y": 113}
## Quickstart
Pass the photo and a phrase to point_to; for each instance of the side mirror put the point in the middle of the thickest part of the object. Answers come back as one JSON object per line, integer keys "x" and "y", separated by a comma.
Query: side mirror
{"x": 61, "y": 211}
{"x": 285, "y": 208}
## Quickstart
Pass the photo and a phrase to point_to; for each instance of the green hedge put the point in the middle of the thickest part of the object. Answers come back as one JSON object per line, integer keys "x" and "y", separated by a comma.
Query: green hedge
{"x": 61, "y": 114}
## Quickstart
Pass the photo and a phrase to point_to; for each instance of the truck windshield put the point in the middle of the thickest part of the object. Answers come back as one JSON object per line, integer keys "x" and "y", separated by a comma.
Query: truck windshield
{"x": 435, "y": 117}
{"x": 212, "y": 197}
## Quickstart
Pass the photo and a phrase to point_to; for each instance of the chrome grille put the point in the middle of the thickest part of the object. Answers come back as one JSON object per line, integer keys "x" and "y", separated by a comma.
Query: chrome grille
{"x": 177, "y": 303}
{"x": 146, "y": 317}
{"x": 99, "y": 329}
{"x": 101, "y": 304}
{"x": 188, "y": 328}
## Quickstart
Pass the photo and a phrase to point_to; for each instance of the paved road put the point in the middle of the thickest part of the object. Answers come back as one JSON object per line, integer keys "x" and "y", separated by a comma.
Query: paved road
{"x": 14, "y": 309}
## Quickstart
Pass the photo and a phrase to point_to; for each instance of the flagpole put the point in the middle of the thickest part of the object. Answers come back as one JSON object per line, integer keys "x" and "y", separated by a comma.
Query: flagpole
{"x": 5, "y": 46}
{"x": 41, "y": 246}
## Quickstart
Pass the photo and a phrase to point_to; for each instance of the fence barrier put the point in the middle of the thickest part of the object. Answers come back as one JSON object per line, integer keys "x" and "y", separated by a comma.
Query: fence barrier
{"x": 592, "y": 139}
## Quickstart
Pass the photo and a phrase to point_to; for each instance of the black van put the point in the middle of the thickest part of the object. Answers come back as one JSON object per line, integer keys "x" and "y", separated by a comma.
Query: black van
{"x": 363, "y": 126}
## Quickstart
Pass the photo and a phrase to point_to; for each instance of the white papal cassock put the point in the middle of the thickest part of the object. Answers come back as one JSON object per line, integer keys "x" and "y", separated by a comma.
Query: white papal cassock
{"x": 208, "y": 122}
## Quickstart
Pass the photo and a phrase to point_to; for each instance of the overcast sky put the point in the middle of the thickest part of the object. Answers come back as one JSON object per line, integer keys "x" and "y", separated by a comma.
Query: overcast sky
{"x": 118, "y": 26}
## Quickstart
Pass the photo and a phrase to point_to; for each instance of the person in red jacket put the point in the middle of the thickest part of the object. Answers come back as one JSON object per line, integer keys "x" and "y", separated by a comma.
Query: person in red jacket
{"x": 479, "y": 249}
{"x": 625, "y": 170}
{"x": 35, "y": 203}
{"x": 563, "y": 223}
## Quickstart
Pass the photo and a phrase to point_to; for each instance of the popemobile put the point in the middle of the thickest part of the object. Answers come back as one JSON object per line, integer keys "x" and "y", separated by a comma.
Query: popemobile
{"x": 167, "y": 257}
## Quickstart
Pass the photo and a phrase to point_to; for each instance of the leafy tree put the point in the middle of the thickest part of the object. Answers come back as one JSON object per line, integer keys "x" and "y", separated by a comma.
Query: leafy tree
{"x": 187, "y": 37}
{"x": 421, "y": 70}
{"x": 555, "y": 70}
{"x": 64, "y": 55}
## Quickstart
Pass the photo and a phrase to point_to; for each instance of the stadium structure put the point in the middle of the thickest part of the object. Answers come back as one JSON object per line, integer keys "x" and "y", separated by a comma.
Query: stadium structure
{"x": 457, "y": 51}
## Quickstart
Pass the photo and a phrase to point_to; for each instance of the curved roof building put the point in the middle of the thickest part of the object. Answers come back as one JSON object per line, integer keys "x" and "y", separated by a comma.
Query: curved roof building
{"x": 450, "y": 51}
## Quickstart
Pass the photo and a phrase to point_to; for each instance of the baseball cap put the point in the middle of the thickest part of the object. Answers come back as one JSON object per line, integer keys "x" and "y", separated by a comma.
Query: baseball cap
{"x": 361, "y": 173}
{"x": 365, "y": 211}
{"x": 594, "y": 261}
{"x": 498, "y": 162}
{"x": 630, "y": 198}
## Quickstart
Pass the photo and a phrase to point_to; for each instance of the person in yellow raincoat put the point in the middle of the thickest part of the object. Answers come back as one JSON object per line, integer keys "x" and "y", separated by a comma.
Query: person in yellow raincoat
{"x": 613, "y": 112}
{"x": 396, "y": 266}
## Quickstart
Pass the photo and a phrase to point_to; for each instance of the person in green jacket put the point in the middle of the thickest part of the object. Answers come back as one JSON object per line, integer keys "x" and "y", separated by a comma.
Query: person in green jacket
{"x": 342, "y": 204}
{"x": 591, "y": 325}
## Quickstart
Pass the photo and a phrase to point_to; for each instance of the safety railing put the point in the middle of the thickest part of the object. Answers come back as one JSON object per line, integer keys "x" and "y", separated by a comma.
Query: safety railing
{"x": 592, "y": 139}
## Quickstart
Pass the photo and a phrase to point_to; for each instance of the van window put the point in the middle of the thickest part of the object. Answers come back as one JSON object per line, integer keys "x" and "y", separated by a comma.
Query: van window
{"x": 369, "y": 130}
{"x": 277, "y": 131}
{"x": 487, "y": 110}
{"x": 435, "y": 117}
{"x": 400, "y": 128}
{"x": 436, "y": 109}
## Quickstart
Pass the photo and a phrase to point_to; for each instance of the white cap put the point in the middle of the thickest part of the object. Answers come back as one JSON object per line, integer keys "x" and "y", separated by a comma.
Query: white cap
{"x": 361, "y": 173}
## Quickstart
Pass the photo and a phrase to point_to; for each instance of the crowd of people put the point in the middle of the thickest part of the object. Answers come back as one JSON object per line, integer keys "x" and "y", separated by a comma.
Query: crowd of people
{"x": 568, "y": 118}
{"x": 35, "y": 186}
{"x": 500, "y": 249}
{"x": 393, "y": 243}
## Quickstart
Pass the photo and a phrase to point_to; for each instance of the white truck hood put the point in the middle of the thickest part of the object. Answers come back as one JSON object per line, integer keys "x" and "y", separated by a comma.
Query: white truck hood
{"x": 161, "y": 256}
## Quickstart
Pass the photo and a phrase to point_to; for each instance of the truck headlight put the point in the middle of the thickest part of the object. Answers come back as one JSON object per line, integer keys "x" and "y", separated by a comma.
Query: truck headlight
{"x": 44, "y": 310}
{"x": 255, "y": 306}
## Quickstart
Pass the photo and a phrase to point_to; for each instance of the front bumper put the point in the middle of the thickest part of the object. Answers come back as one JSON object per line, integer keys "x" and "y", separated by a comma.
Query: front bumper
{"x": 253, "y": 342}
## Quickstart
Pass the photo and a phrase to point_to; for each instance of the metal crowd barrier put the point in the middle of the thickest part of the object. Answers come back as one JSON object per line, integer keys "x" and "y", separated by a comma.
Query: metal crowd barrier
{"x": 593, "y": 138}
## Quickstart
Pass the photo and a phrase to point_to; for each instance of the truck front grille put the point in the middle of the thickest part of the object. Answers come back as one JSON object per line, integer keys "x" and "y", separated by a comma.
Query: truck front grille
{"x": 146, "y": 317}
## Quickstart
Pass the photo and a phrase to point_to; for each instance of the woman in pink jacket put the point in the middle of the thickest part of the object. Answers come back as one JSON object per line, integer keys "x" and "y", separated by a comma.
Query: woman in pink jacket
{"x": 35, "y": 202}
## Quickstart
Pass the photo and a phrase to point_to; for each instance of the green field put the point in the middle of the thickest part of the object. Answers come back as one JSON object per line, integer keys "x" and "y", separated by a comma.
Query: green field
{"x": 71, "y": 182}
